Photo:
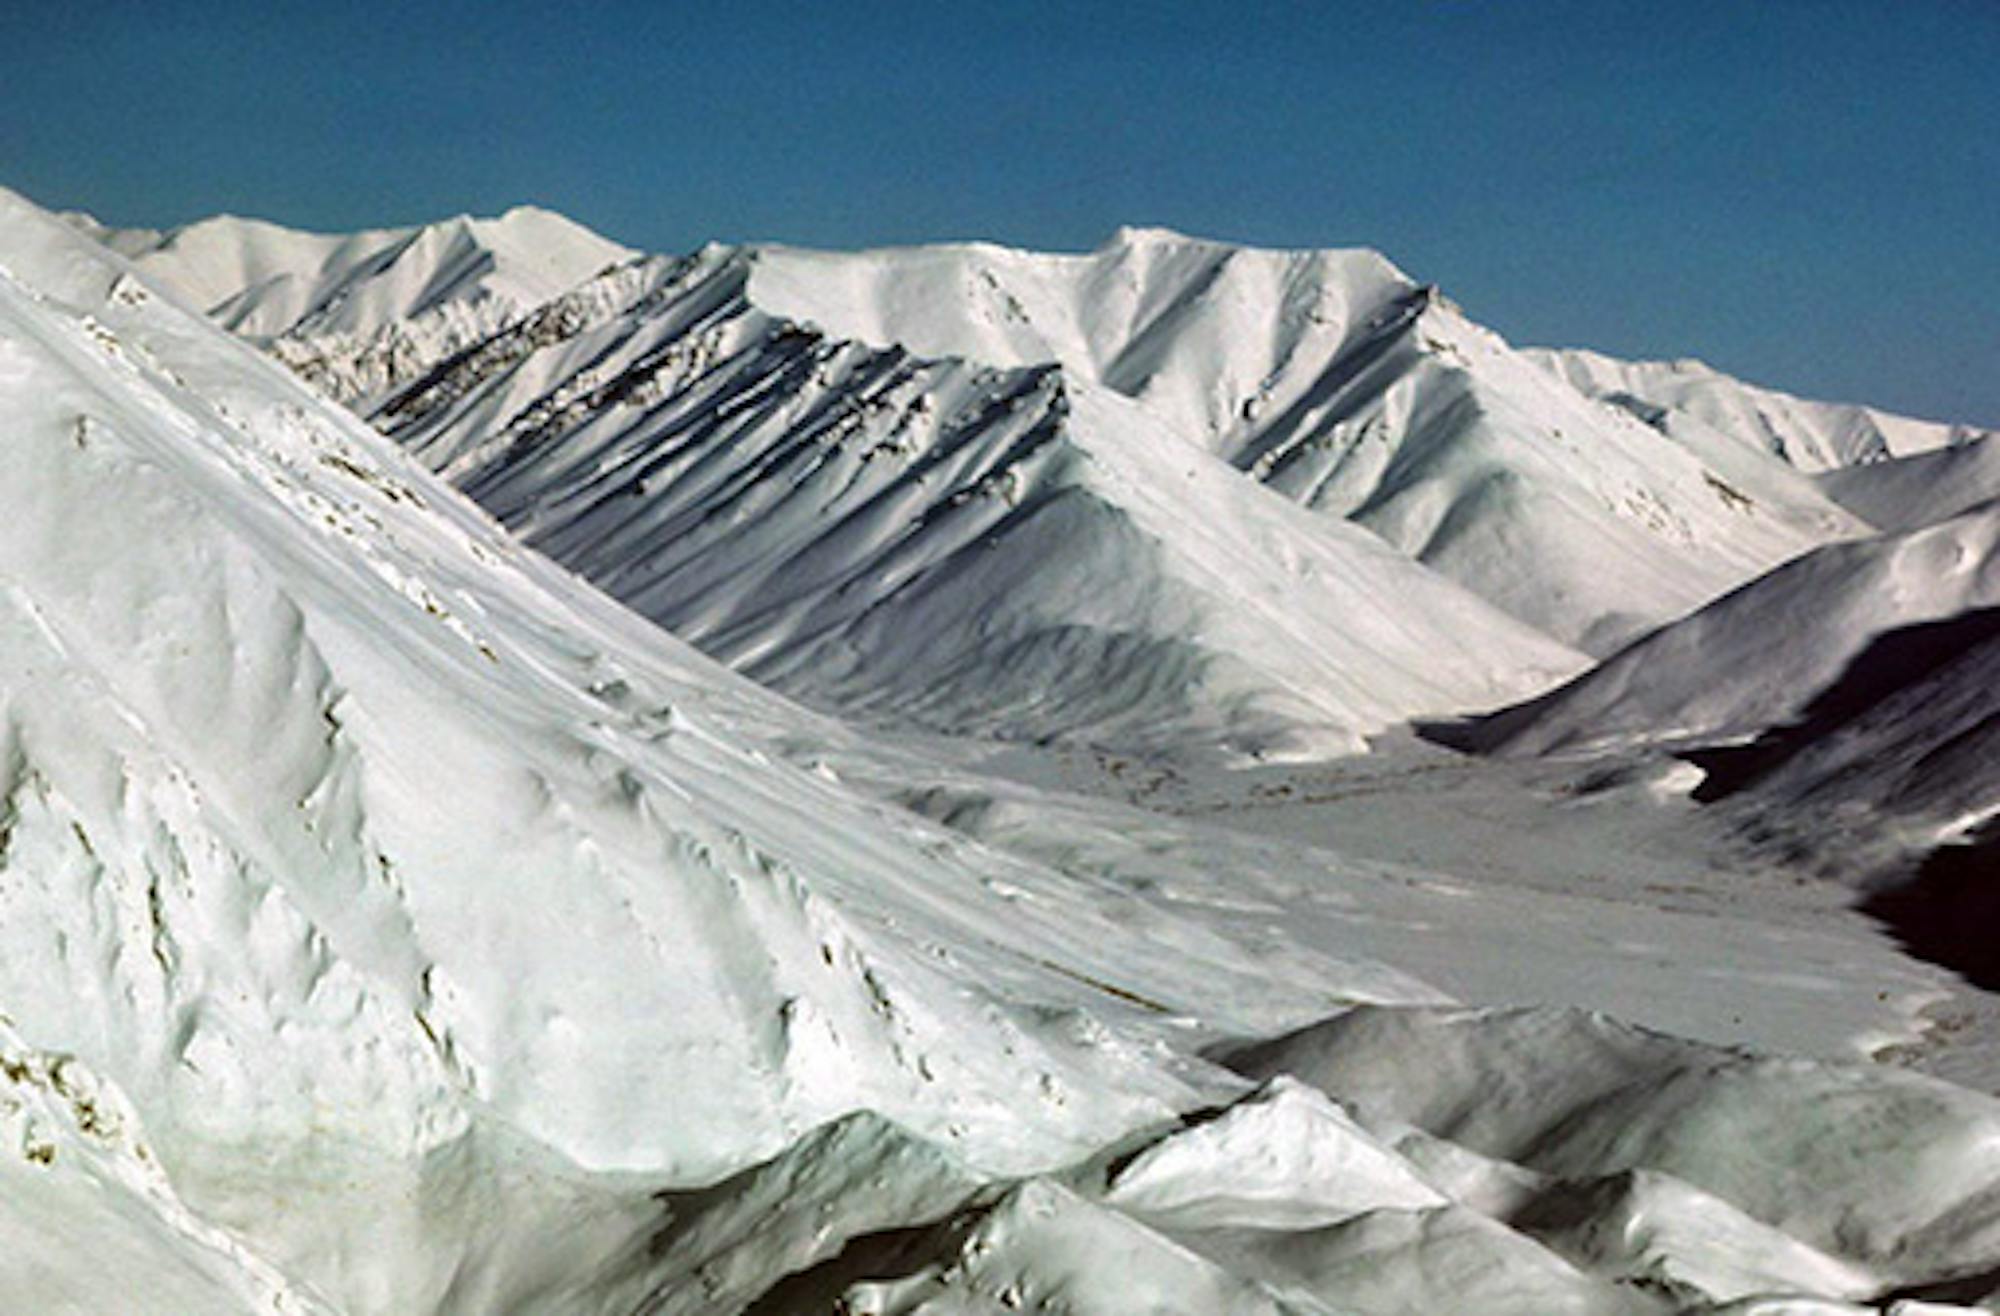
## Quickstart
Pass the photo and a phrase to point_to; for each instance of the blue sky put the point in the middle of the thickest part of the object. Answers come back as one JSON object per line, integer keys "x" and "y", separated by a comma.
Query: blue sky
{"x": 1807, "y": 194}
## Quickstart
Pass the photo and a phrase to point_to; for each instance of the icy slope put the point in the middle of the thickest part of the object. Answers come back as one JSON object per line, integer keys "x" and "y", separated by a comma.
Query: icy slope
{"x": 361, "y": 314}
{"x": 1813, "y": 436}
{"x": 928, "y": 542}
{"x": 1760, "y": 655}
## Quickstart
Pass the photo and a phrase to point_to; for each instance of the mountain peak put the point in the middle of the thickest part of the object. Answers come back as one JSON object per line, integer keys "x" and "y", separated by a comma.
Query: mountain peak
{"x": 1154, "y": 235}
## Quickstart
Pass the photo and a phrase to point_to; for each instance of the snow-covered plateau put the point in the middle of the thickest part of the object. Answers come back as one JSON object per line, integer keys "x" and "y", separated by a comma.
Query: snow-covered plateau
{"x": 537, "y": 778}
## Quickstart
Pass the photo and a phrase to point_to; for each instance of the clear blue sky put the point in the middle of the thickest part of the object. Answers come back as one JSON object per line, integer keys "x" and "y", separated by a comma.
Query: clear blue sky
{"x": 1807, "y": 194}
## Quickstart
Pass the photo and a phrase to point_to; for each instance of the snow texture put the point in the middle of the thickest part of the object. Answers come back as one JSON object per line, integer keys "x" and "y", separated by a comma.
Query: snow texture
{"x": 391, "y": 922}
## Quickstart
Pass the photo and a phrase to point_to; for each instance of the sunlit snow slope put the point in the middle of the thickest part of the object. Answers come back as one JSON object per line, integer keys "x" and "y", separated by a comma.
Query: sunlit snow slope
{"x": 1759, "y": 655}
{"x": 1848, "y": 698}
{"x": 361, "y": 314}
{"x": 1813, "y": 436}
{"x": 889, "y": 438}
{"x": 1904, "y": 493}
{"x": 390, "y": 923}
{"x": 1334, "y": 379}
{"x": 930, "y": 542}
{"x": 336, "y": 828}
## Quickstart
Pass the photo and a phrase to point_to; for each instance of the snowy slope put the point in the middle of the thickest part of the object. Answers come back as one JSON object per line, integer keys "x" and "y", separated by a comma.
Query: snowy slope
{"x": 1327, "y": 375}
{"x": 1574, "y": 1096}
{"x": 1812, "y": 436}
{"x": 1335, "y": 379}
{"x": 343, "y": 830}
{"x": 931, "y": 543}
{"x": 389, "y": 923}
{"x": 1903, "y": 493}
{"x": 1760, "y": 655}
{"x": 1920, "y": 751}
{"x": 362, "y": 314}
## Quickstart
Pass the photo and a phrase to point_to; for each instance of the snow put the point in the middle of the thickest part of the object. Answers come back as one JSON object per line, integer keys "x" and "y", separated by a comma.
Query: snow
{"x": 1812, "y": 436}
{"x": 1282, "y": 1158}
{"x": 671, "y": 425}
{"x": 1758, "y": 656}
{"x": 1887, "y": 1169}
{"x": 1907, "y": 493}
{"x": 939, "y": 545}
{"x": 391, "y": 922}
{"x": 1337, "y": 380}
{"x": 360, "y": 314}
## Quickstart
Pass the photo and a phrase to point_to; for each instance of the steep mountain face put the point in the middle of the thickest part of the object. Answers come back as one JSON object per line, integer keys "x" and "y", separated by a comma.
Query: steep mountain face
{"x": 1812, "y": 436}
{"x": 335, "y": 827}
{"x": 1334, "y": 379}
{"x": 1327, "y": 377}
{"x": 359, "y": 315}
{"x": 929, "y": 542}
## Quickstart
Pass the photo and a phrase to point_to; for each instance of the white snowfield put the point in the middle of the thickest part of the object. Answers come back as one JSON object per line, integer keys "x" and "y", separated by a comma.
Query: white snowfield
{"x": 389, "y": 922}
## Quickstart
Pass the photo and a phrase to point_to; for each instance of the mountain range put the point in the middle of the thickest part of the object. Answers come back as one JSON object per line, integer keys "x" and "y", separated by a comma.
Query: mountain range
{"x": 505, "y": 796}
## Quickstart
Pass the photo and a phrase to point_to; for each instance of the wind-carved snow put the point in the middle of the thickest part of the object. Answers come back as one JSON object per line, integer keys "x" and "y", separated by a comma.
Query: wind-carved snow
{"x": 393, "y": 924}
{"x": 1333, "y": 378}
{"x": 322, "y": 844}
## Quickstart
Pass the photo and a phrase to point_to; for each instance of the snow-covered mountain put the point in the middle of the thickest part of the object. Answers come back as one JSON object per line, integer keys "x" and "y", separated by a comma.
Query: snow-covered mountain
{"x": 362, "y": 314}
{"x": 926, "y": 541}
{"x": 1333, "y": 378}
{"x": 338, "y": 828}
{"x": 1845, "y": 704}
{"x": 1759, "y": 655}
{"x": 985, "y": 491}
{"x": 1813, "y": 436}
{"x": 390, "y": 922}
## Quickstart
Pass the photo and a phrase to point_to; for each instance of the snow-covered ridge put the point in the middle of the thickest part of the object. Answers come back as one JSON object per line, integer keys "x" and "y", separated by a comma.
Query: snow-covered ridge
{"x": 1003, "y": 552}
{"x": 337, "y": 827}
{"x": 1759, "y": 655}
{"x": 986, "y": 491}
{"x": 1848, "y": 698}
{"x": 1907, "y": 493}
{"x": 1337, "y": 380}
{"x": 1812, "y": 436}
{"x": 361, "y": 314}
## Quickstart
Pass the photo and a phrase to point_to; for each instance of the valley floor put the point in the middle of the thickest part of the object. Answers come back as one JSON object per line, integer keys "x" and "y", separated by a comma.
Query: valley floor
{"x": 1592, "y": 882}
